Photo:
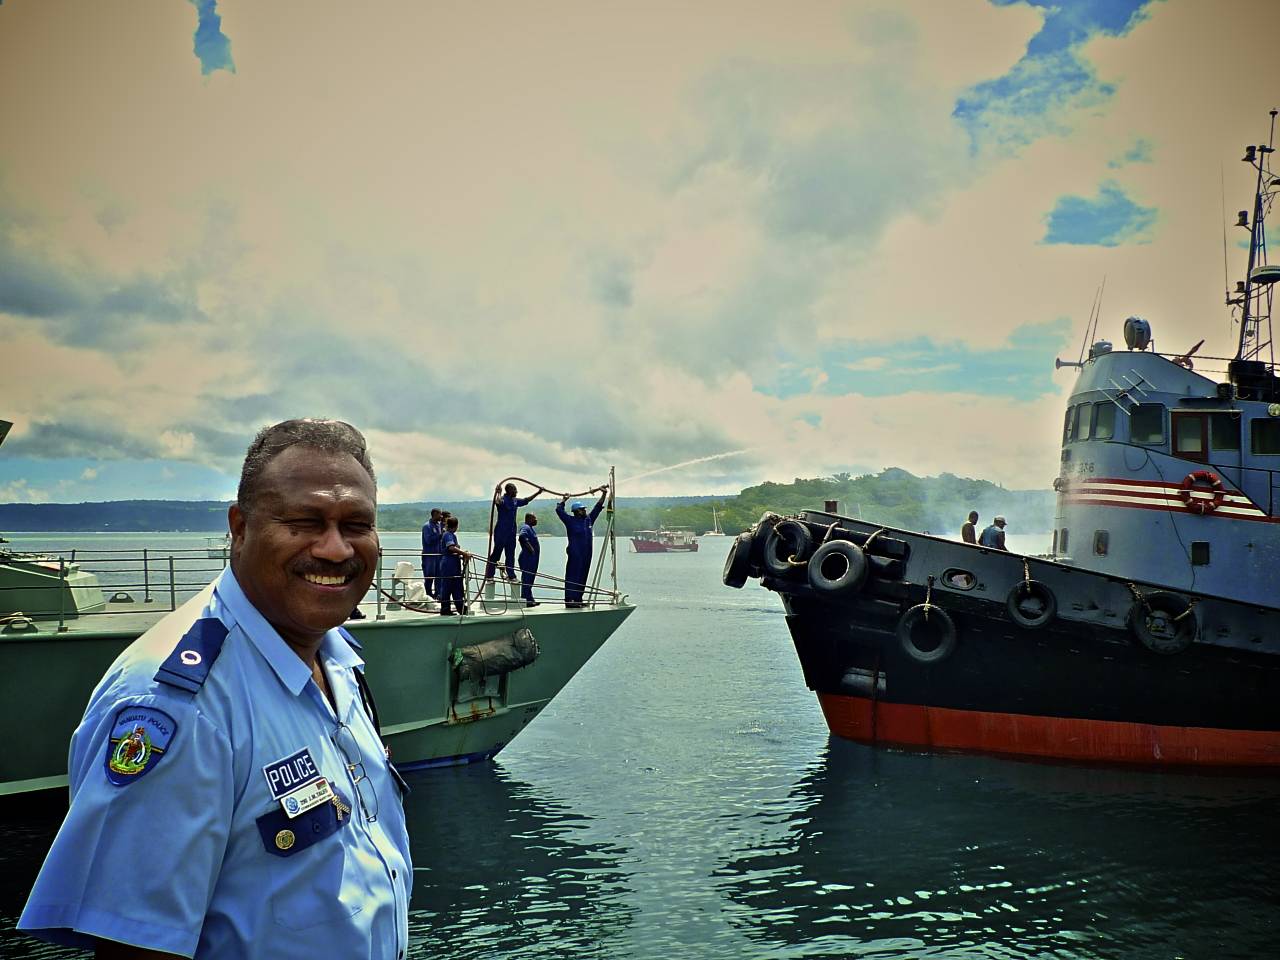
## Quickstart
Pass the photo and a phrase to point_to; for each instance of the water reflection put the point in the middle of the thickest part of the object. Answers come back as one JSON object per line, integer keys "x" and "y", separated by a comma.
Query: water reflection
{"x": 882, "y": 853}
{"x": 508, "y": 872}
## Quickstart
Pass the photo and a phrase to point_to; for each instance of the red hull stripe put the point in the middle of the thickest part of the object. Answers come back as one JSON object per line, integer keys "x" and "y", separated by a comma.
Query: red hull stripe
{"x": 1063, "y": 738}
{"x": 1157, "y": 495}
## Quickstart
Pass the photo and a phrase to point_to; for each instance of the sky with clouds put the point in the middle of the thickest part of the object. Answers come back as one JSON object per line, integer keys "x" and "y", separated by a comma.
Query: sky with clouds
{"x": 541, "y": 239}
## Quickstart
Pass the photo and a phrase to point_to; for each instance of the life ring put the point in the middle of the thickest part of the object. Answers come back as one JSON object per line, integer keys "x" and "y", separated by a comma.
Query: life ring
{"x": 786, "y": 547}
{"x": 1031, "y": 604}
{"x": 737, "y": 565}
{"x": 836, "y": 567}
{"x": 931, "y": 624}
{"x": 1163, "y": 622}
{"x": 1202, "y": 481}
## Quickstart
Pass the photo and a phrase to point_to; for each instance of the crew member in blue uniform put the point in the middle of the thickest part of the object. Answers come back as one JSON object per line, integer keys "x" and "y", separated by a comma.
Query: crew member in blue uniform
{"x": 432, "y": 531}
{"x": 577, "y": 528}
{"x": 530, "y": 550}
{"x": 993, "y": 536}
{"x": 504, "y": 527}
{"x": 453, "y": 587}
{"x": 230, "y": 796}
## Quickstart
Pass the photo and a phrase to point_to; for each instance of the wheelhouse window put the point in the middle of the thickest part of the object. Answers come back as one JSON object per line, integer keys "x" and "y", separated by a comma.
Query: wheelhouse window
{"x": 1190, "y": 436}
{"x": 1200, "y": 553}
{"x": 1062, "y": 540}
{"x": 1066, "y": 423}
{"x": 1101, "y": 542}
{"x": 1264, "y": 437}
{"x": 1224, "y": 431}
{"x": 1080, "y": 424}
{"x": 1146, "y": 423}
{"x": 1104, "y": 420}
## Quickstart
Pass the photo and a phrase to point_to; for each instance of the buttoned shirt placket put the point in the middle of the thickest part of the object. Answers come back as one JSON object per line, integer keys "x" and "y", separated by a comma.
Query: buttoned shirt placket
{"x": 346, "y": 700}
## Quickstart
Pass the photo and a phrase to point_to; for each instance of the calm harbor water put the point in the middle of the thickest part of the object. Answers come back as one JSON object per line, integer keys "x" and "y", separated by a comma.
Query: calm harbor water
{"x": 681, "y": 798}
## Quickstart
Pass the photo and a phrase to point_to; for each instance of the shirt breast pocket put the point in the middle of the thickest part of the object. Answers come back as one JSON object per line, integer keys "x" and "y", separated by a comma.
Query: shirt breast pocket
{"x": 321, "y": 886}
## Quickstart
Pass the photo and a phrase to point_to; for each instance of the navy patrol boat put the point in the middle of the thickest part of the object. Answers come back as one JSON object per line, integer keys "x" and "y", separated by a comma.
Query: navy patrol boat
{"x": 1151, "y": 632}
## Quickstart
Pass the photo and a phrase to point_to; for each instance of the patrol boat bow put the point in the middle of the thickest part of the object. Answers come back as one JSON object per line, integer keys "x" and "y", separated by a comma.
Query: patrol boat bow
{"x": 1150, "y": 635}
{"x": 449, "y": 689}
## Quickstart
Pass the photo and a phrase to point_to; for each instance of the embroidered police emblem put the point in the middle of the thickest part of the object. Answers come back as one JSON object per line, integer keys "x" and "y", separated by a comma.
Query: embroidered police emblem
{"x": 138, "y": 739}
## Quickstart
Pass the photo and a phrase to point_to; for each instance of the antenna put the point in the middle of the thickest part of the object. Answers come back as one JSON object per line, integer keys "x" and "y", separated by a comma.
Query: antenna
{"x": 1091, "y": 322}
{"x": 1226, "y": 278}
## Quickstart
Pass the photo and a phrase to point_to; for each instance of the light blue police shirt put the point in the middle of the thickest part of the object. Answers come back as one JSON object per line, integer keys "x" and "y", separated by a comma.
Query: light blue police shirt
{"x": 183, "y": 847}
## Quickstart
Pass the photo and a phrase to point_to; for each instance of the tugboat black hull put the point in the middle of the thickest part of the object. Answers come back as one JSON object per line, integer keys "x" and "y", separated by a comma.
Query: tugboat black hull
{"x": 1049, "y": 693}
{"x": 930, "y": 649}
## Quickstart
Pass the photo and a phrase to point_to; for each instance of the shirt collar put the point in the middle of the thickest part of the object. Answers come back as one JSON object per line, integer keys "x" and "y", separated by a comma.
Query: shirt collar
{"x": 235, "y": 610}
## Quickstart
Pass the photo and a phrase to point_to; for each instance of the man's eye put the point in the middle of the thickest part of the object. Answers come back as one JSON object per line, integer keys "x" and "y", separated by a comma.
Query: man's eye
{"x": 302, "y": 523}
{"x": 358, "y": 528}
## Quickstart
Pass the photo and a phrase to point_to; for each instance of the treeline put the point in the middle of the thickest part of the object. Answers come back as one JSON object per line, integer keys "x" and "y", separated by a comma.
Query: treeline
{"x": 893, "y": 497}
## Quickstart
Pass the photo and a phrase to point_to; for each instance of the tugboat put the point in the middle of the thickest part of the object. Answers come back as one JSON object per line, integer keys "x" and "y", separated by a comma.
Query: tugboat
{"x": 1150, "y": 634}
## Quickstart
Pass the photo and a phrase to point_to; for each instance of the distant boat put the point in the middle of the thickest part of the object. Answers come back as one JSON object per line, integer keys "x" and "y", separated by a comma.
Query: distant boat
{"x": 664, "y": 541}
{"x": 715, "y": 520}
{"x": 218, "y": 548}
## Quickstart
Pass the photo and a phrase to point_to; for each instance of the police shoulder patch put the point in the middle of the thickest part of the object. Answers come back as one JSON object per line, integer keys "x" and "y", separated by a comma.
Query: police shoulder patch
{"x": 137, "y": 741}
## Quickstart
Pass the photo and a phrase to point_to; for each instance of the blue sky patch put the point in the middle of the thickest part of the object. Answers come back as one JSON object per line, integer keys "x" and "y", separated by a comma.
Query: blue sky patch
{"x": 211, "y": 45}
{"x": 1027, "y": 102}
{"x": 1140, "y": 152}
{"x": 1107, "y": 220}
{"x": 1021, "y": 367}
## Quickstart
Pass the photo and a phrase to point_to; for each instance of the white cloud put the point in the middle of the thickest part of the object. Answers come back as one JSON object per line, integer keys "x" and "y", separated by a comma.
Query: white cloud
{"x": 20, "y": 491}
{"x": 89, "y": 473}
{"x": 503, "y": 246}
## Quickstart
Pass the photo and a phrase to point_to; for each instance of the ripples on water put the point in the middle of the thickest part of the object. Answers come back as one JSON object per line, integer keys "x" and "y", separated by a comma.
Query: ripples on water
{"x": 681, "y": 798}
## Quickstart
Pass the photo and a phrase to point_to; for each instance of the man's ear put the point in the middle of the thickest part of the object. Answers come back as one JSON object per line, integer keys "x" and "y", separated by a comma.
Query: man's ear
{"x": 236, "y": 521}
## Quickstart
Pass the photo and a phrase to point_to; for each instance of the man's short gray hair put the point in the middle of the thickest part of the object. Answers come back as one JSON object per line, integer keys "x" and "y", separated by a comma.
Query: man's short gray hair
{"x": 331, "y": 436}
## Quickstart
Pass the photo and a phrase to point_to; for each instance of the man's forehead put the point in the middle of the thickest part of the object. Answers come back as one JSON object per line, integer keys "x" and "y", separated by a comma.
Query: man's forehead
{"x": 306, "y": 473}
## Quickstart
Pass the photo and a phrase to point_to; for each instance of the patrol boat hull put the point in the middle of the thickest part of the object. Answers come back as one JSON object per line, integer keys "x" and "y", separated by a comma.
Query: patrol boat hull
{"x": 429, "y": 715}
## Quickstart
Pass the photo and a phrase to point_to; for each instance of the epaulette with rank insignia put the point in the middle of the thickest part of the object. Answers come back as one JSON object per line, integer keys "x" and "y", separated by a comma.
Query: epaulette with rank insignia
{"x": 189, "y": 664}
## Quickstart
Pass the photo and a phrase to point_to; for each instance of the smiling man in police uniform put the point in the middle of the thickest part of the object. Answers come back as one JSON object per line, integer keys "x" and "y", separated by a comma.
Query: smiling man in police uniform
{"x": 230, "y": 797}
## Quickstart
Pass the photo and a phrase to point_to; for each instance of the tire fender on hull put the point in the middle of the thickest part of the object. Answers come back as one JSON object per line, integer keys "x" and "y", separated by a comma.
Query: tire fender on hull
{"x": 737, "y": 566}
{"x": 1163, "y": 622}
{"x": 1031, "y": 604}
{"x": 837, "y": 567}
{"x": 926, "y": 633}
{"x": 786, "y": 548}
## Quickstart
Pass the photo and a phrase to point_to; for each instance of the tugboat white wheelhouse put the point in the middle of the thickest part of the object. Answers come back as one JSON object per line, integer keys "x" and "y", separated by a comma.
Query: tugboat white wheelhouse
{"x": 1151, "y": 633}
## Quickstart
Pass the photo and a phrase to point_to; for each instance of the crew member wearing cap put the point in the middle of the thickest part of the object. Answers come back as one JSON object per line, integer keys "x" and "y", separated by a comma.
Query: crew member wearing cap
{"x": 578, "y": 529}
{"x": 230, "y": 797}
{"x": 993, "y": 536}
{"x": 432, "y": 533}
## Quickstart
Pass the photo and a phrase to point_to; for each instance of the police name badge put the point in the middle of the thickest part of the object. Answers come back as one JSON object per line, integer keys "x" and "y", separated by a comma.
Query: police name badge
{"x": 138, "y": 739}
{"x": 296, "y": 783}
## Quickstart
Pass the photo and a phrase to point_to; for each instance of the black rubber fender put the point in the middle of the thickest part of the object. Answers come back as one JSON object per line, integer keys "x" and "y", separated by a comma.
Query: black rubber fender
{"x": 927, "y": 634}
{"x": 1031, "y": 604}
{"x": 760, "y": 532}
{"x": 737, "y": 566}
{"x": 837, "y": 567}
{"x": 787, "y": 546}
{"x": 1163, "y": 622}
